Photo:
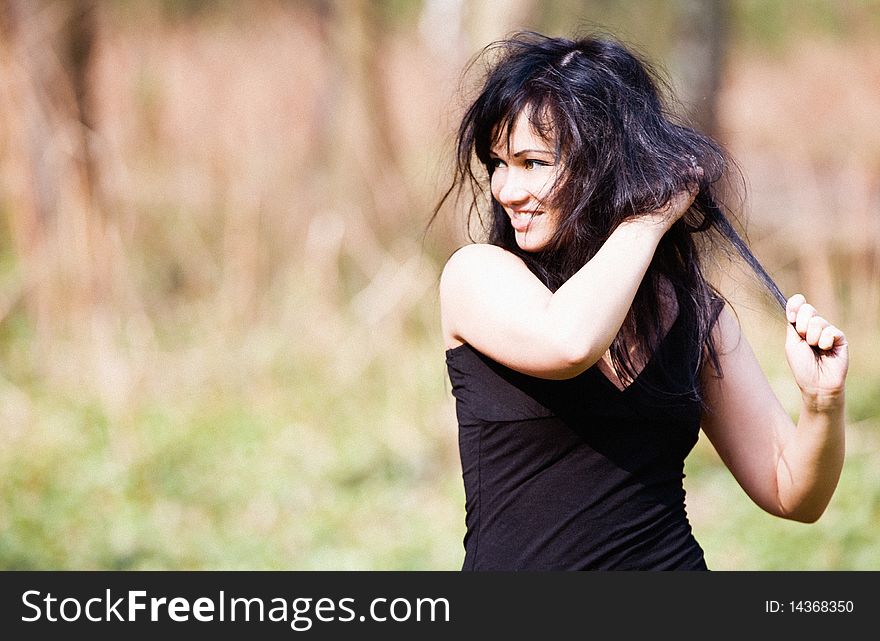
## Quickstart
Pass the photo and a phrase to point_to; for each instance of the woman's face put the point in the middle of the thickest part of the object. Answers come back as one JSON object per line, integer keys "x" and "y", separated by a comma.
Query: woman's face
{"x": 525, "y": 169}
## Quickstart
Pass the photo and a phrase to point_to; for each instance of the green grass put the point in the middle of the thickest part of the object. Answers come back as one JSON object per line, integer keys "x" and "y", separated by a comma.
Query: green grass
{"x": 314, "y": 440}
{"x": 265, "y": 448}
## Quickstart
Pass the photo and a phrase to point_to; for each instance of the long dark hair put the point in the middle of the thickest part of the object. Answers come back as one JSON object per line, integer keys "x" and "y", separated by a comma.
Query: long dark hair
{"x": 623, "y": 154}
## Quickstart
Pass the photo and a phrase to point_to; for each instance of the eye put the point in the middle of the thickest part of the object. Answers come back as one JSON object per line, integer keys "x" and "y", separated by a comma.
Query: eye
{"x": 532, "y": 163}
{"x": 495, "y": 163}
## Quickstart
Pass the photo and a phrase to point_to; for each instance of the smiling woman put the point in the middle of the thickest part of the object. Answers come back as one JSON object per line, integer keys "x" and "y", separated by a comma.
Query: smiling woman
{"x": 524, "y": 173}
{"x": 585, "y": 346}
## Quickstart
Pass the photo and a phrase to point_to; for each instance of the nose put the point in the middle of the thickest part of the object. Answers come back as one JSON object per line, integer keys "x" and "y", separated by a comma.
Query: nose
{"x": 512, "y": 191}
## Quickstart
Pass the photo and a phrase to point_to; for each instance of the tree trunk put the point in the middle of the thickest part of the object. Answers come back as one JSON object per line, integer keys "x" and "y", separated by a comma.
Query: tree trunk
{"x": 699, "y": 57}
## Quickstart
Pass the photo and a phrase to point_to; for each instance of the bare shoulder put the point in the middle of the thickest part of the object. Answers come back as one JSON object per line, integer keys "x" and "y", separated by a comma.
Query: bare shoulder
{"x": 727, "y": 331}
{"x": 476, "y": 264}
{"x": 669, "y": 303}
{"x": 479, "y": 282}
{"x": 477, "y": 254}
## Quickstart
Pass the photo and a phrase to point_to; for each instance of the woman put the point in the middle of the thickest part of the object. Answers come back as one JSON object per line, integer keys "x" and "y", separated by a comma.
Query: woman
{"x": 586, "y": 348}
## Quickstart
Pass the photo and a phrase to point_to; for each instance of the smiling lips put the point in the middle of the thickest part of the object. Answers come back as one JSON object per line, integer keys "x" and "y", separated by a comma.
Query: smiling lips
{"x": 521, "y": 220}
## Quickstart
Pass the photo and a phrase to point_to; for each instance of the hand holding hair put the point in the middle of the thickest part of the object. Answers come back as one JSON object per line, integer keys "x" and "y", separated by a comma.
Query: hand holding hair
{"x": 817, "y": 354}
{"x": 678, "y": 205}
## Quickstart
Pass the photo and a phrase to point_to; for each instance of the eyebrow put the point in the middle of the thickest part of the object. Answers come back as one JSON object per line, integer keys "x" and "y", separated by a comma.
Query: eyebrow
{"x": 526, "y": 151}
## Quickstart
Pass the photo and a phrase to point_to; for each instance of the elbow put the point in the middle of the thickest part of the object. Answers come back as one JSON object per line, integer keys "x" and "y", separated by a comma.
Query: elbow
{"x": 574, "y": 358}
{"x": 804, "y": 497}
{"x": 807, "y": 513}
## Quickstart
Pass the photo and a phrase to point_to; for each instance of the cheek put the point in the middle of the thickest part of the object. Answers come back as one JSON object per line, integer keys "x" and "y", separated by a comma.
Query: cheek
{"x": 554, "y": 222}
{"x": 544, "y": 185}
{"x": 495, "y": 184}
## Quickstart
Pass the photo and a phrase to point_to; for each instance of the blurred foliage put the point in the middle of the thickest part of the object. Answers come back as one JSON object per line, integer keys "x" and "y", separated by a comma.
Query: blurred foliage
{"x": 219, "y": 335}
{"x": 773, "y": 24}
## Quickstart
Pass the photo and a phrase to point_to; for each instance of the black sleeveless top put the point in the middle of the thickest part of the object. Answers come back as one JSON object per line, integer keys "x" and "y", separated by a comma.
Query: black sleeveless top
{"x": 577, "y": 474}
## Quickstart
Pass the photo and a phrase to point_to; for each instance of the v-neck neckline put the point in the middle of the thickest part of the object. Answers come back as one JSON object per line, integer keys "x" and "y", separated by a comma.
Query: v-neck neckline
{"x": 660, "y": 345}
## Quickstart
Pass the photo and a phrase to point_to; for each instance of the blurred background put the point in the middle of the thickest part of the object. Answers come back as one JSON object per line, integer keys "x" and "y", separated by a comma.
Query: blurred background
{"x": 219, "y": 332}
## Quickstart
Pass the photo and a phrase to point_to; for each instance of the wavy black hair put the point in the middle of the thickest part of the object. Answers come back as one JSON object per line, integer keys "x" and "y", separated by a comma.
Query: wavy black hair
{"x": 623, "y": 153}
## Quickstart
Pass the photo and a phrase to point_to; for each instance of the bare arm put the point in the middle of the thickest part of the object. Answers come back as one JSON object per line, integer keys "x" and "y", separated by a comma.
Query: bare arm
{"x": 491, "y": 300}
{"x": 789, "y": 471}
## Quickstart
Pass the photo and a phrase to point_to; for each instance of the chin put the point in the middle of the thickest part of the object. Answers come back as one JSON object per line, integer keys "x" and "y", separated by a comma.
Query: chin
{"x": 531, "y": 245}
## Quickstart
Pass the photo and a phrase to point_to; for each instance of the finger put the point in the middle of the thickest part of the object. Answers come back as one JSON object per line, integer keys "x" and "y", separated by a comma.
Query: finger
{"x": 830, "y": 337}
{"x": 814, "y": 329}
{"x": 678, "y": 204}
{"x": 792, "y": 338}
{"x": 685, "y": 197}
{"x": 804, "y": 313}
{"x": 793, "y": 305}
{"x": 695, "y": 167}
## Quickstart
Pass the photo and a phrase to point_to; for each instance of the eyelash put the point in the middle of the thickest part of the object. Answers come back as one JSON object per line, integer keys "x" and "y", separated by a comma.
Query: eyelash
{"x": 530, "y": 163}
